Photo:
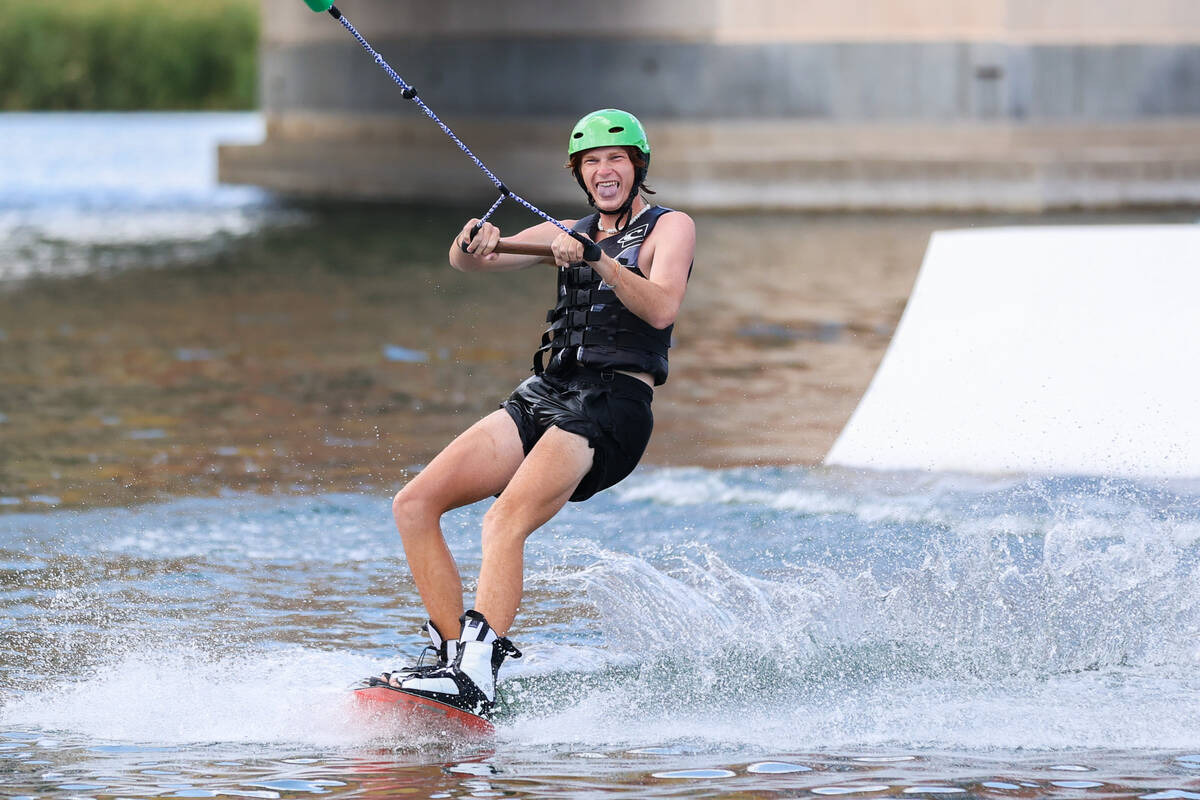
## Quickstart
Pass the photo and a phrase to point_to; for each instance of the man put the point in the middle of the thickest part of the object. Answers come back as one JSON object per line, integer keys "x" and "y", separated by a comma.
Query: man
{"x": 578, "y": 426}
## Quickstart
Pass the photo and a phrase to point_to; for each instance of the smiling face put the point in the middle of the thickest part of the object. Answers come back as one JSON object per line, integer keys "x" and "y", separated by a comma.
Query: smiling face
{"x": 608, "y": 174}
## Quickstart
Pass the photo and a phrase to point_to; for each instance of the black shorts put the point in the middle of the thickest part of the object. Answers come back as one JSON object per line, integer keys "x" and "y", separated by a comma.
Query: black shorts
{"x": 610, "y": 410}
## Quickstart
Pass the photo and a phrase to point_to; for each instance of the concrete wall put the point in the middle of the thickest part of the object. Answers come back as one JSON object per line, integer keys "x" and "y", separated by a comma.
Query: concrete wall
{"x": 880, "y": 60}
{"x": 791, "y": 69}
{"x": 843, "y": 81}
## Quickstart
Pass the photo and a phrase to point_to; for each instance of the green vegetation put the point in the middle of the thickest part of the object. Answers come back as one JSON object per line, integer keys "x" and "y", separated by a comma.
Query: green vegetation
{"x": 128, "y": 54}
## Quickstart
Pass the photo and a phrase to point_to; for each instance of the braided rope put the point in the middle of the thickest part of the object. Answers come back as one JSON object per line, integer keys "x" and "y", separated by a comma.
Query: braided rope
{"x": 410, "y": 93}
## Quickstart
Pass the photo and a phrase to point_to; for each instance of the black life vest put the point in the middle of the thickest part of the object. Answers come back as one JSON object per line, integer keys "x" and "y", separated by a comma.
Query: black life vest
{"x": 590, "y": 326}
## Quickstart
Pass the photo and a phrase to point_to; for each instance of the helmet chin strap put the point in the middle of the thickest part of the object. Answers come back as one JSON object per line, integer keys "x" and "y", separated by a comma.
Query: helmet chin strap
{"x": 625, "y": 212}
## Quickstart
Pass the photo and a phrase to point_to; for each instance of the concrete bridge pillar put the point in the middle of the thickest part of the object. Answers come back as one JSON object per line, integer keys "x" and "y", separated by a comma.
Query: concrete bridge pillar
{"x": 1010, "y": 104}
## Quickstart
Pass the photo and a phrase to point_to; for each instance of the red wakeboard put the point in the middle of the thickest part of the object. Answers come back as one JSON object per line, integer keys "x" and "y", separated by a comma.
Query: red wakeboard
{"x": 382, "y": 700}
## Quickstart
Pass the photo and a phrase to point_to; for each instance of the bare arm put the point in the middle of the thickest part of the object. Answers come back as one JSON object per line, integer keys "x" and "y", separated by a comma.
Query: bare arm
{"x": 667, "y": 260}
{"x": 481, "y": 254}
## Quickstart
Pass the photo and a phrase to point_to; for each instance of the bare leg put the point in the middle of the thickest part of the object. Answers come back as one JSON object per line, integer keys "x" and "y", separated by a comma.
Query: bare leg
{"x": 541, "y": 486}
{"x": 476, "y": 465}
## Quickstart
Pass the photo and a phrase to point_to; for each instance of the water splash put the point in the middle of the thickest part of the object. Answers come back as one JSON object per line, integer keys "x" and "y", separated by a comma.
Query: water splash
{"x": 1084, "y": 629}
{"x": 953, "y": 613}
{"x": 182, "y": 695}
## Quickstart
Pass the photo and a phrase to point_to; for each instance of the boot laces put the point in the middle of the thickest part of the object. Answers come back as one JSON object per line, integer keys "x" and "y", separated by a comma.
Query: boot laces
{"x": 428, "y": 652}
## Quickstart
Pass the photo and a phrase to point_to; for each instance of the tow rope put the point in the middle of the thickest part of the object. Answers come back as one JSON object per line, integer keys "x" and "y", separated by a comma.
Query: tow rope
{"x": 591, "y": 250}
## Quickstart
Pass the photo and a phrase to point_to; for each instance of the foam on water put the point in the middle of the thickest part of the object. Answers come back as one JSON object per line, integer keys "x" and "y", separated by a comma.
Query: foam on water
{"x": 184, "y": 695}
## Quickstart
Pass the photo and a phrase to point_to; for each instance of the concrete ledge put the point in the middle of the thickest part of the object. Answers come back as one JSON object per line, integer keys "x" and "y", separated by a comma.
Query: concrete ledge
{"x": 1057, "y": 22}
{"x": 743, "y": 165}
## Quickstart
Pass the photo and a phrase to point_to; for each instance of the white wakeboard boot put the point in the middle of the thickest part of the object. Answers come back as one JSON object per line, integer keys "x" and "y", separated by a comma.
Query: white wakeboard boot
{"x": 435, "y": 655}
{"x": 469, "y": 682}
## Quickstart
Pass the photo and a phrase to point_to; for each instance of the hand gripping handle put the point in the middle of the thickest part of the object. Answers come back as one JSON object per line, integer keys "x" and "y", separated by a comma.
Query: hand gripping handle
{"x": 591, "y": 250}
{"x": 471, "y": 238}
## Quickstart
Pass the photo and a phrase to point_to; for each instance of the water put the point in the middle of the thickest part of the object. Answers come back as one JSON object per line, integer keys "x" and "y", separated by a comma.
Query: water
{"x": 82, "y": 192}
{"x": 692, "y": 632}
{"x": 218, "y": 393}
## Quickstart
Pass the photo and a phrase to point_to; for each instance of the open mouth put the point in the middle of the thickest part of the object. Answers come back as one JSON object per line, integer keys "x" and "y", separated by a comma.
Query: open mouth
{"x": 608, "y": 190}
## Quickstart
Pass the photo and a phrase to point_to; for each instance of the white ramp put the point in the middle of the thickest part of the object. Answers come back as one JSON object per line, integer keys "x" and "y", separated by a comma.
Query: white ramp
{"x": 1070, "y": 350}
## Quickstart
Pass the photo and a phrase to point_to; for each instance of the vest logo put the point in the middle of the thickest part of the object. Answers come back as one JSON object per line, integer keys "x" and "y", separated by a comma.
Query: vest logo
{"x": 633, "y": 236}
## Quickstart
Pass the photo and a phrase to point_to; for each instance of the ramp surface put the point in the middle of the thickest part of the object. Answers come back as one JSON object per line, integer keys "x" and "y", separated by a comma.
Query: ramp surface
{"x": 1069, "y": 350}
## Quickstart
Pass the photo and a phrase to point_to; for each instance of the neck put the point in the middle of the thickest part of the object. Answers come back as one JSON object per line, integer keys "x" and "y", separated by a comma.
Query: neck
{"x": 608, "y": 219}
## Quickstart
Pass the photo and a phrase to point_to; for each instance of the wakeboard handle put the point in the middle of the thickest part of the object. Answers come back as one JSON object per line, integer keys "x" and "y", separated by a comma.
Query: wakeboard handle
{"x": 524, "y": 248}
{"x": 591, "y": 250}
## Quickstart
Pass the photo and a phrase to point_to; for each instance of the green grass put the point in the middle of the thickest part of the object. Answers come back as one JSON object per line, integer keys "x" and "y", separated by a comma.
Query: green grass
{"x": 92, "y": 55}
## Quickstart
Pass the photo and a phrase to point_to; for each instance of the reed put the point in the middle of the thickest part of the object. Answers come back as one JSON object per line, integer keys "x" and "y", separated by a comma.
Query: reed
{"x": 92, "y": 55}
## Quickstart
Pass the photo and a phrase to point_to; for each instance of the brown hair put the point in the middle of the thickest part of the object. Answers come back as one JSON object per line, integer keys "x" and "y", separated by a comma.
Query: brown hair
{"x": 636, "y": 156}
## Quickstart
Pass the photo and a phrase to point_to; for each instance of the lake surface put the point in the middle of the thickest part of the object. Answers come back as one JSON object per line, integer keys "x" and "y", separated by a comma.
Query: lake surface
{"x": 207, "y": 397}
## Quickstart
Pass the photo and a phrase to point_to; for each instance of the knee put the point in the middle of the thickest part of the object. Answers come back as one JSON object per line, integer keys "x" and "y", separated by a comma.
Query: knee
{"x": 412, "y": 512}
{"x": 501, "y": 526}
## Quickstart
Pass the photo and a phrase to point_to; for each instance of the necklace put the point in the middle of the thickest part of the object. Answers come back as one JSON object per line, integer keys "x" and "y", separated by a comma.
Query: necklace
{"x": 603, "y": 229}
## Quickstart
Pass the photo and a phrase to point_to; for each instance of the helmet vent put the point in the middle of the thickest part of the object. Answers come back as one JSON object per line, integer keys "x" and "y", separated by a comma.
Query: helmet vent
{"x": 616, "y": 129}
{"x": 577, "y": 135}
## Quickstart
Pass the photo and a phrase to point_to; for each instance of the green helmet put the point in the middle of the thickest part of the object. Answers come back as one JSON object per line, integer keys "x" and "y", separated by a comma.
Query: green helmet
{"x": 608, "y": 127}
